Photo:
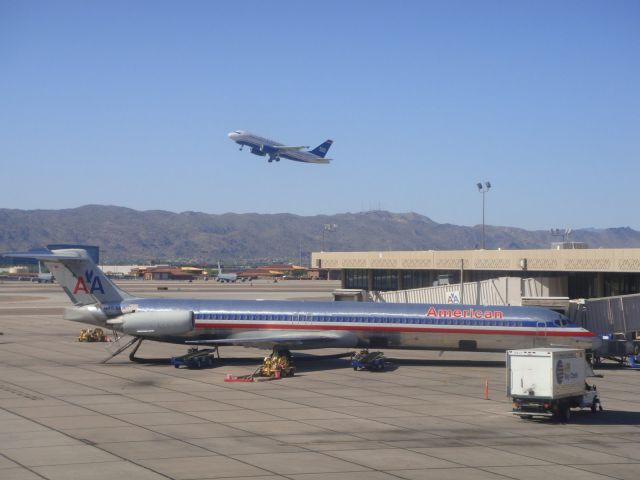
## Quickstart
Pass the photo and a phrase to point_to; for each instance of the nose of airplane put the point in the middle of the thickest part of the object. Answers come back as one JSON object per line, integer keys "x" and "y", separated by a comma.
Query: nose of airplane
{"x": 596, "y": 342}
{"x": 231, "y": 135}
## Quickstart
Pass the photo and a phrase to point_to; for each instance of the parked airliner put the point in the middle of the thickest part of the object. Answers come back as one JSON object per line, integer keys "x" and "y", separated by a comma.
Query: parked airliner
{"x": 227, "y": 277}
{"x": 275, "y": 150}
{"x": 296, "y": 325}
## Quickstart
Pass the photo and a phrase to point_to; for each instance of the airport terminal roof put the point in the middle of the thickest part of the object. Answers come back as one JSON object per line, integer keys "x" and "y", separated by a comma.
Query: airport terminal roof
{"x": 559, "y": 260}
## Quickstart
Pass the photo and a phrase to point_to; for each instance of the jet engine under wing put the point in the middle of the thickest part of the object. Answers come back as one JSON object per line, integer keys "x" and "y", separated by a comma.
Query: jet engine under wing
{"x": 287, "y": 339}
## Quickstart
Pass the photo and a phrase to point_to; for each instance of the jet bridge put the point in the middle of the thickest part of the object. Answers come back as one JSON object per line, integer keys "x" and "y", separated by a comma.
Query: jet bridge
{"x": 608, "y": 316}
{"x": 615, "y": 319}
{"x": 496, "y": 291}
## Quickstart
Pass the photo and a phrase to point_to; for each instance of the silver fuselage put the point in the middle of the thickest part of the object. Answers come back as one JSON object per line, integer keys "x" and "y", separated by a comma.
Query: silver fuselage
{"x": 403, "y": 326}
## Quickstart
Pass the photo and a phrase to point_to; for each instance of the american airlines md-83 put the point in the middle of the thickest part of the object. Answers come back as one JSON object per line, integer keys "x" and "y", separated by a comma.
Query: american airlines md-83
{"x": 293, "y": 325}
{"x": 264, "y": 147}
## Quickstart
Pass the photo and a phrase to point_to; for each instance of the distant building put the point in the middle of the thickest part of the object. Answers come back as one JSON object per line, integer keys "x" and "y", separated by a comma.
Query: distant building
{"x": 167, "y": 273}
{"x": 273, "y": 271}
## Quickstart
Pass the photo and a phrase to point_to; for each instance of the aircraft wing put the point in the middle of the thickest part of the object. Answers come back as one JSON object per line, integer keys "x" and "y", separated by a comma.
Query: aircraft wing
{"x": 284, "y": 148}
{"x": 287, "y": 339}
{"x": 319, "y": 160}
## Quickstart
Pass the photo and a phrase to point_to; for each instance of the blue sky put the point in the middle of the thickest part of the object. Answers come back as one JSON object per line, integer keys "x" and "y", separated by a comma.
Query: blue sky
{"x": 129, "y": 103}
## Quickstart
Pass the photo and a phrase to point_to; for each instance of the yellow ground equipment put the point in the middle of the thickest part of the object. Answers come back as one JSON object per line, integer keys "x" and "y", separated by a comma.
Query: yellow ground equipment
{"x": 95, "y": 335}
{"x": 278, "y": 364}
{"x": 274, "y": 367}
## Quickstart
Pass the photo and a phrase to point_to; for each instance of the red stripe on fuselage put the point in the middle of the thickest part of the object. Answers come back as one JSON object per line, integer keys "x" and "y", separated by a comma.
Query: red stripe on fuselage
{"x": 289, "y": 326}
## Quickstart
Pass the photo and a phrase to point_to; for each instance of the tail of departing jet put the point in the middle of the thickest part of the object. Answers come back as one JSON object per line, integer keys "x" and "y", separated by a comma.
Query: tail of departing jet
{"x": 79, "y": 277}
{"x": 322, "y": 149}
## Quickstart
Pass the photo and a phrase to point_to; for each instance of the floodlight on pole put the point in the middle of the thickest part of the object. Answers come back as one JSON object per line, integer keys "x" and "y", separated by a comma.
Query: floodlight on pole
{"x": 327, "y": 227}
{"x": 483, "y": 189}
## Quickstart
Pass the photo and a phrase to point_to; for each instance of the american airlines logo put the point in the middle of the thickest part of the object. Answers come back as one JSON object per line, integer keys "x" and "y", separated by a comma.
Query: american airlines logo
{"x": 90, "y": 283}
{"x": 464, "y": 313}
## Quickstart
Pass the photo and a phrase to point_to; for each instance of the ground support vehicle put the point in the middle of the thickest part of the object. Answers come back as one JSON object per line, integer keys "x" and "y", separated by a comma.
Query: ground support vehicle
{"x": 89, "y": 335}
{"x": 365, "y": 360}
{"x": 195, "y": 358}
{"x": 633, "y": 361}
{"x": 274, "y": 367}
{"x": 277, "y": 365}
{"x": 549, "y": 382}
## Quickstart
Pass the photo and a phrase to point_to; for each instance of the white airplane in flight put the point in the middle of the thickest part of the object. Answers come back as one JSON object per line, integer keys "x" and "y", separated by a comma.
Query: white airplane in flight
{"x": 275, "y": 150}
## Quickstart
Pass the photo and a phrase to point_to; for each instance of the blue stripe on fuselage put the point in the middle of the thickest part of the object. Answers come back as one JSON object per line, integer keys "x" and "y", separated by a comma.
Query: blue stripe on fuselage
{"x": 354, "y": 312}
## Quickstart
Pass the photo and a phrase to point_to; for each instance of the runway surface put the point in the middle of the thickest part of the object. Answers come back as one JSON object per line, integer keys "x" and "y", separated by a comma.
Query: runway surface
{"x": 65, "y": 415}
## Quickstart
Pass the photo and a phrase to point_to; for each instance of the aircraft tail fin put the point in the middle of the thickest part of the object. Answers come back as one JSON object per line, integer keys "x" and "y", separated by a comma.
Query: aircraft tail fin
{"x": 77, "y": 274}
{"x": 322, "y": 149}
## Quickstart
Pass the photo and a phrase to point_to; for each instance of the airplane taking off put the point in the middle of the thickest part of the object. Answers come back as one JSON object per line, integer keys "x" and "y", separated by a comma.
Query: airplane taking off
{"x": 285, "y": 325}
{"x": 264, "y": 147}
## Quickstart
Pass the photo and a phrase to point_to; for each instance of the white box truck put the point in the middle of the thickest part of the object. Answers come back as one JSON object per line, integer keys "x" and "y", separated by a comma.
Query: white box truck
{"x": 549, "y": 382}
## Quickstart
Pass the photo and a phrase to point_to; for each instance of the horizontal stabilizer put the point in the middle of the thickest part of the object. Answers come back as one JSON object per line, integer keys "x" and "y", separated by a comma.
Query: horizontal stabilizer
{"x": 77, "y": 274}
{"x": 48, "y": 256}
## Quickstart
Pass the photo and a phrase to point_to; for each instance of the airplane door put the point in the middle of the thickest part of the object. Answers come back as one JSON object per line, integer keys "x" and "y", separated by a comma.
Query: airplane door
{"x": 541, "y": 334}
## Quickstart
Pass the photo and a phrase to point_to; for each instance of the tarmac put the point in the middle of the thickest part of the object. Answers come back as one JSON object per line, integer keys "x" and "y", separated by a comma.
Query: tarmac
{"x": 65, "y": 415}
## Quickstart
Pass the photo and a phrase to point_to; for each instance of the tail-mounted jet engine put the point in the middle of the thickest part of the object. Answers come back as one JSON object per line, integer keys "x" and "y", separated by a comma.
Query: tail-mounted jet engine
{"x": 154, "y": 324}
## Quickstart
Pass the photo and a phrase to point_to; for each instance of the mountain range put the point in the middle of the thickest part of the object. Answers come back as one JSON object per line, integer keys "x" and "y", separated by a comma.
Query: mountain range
{"x": 154, "y": 236}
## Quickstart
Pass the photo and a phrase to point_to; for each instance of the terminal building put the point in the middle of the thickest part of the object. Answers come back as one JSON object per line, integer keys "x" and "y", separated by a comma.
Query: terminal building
{"x": 556, "y": 272}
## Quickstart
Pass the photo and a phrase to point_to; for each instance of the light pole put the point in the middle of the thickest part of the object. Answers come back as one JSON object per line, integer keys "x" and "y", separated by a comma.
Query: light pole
{"x": 483, "y": 189}
{"x": 556, "y": 232}
{"x": 327, "y": 227}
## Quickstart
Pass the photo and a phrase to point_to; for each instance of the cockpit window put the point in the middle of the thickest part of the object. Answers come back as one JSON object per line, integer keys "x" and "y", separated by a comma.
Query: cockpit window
{"x": 561, "y": 322}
